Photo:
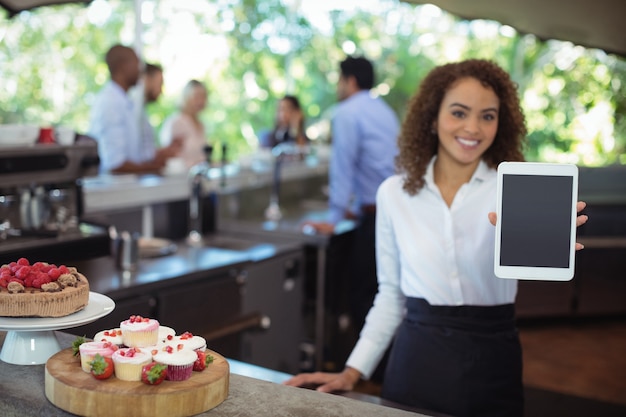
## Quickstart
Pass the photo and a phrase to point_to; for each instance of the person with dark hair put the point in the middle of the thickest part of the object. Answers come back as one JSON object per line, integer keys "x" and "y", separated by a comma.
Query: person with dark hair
{"x": 288, "y": 125}
{"x": 452, "y": 321}
{"x": 364, "y": 135}
{"x": 186, "y": 126}
{"x": 114, "y": 124}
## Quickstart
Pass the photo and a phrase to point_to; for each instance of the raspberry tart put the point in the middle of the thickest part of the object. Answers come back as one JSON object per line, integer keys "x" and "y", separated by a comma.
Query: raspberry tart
{"x": 41, "y": 290}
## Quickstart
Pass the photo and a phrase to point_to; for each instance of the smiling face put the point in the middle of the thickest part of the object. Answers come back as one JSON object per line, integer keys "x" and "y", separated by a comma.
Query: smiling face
{"x": 467, "y": 122}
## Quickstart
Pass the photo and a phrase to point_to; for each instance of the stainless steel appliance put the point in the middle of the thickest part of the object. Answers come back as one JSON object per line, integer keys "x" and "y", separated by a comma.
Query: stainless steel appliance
{"x": 41, "y": 203}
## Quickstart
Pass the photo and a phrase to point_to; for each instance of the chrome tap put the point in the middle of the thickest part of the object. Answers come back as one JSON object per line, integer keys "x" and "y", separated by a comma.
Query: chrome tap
{"x": 281, "y": 153}
{"x": 197, "y": 174}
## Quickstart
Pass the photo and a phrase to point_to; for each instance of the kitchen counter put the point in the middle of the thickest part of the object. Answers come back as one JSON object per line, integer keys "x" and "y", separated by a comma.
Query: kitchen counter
{"x": 23, "y": 396}
{"x": 188, "y": 263}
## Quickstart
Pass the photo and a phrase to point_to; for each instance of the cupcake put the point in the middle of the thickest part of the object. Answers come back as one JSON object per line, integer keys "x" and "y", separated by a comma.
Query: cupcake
{"x": 139, "y": 332}
{"x": 188, "y": 341}
{"x": 179, "y": 361}
{"x": 89, "y": 349}
{"x": 128, "y": 363}
{"x": 113, "y": 335}
{"x": 164, "y": 332}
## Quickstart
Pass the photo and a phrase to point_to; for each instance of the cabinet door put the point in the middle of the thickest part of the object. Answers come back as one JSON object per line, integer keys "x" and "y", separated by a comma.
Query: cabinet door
{"x": 203, "y": 308}
{"x": 274, "y": 290}
{"x": 143, "y": 305}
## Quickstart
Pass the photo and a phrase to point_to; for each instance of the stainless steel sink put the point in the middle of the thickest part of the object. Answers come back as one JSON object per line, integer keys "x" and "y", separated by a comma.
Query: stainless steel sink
{"x": 229, "y": 242}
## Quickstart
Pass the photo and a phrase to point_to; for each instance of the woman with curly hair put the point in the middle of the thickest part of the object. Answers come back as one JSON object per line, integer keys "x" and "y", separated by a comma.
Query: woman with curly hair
{"x": 456, "y": 349}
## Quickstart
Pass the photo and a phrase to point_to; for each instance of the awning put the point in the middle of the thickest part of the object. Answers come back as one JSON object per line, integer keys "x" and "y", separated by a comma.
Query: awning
{"x": 16, "y": 6}
{"x": 589, "y": 23}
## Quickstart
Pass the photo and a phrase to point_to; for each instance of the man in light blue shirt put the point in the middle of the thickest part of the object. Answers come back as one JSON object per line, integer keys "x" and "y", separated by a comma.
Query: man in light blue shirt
{"x": 121, "y": 146}
{"x": 364, "y": 145}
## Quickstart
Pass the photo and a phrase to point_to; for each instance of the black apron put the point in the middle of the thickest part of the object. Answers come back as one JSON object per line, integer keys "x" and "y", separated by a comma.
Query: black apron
{"x": 461, "y": 361}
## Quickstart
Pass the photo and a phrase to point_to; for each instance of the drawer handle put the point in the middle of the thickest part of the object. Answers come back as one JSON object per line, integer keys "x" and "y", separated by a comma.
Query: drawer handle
{"x": 245, "y": 322}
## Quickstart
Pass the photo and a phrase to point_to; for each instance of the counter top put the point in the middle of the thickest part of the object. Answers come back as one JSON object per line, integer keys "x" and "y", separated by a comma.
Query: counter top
{"x": 105, "y": 193}
{"x": 23, "y": 396}
{"x": 187, "y": 263}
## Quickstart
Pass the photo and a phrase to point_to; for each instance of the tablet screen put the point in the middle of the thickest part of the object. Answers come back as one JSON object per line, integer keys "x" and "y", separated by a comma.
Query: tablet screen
{"x": 536, "y": 226}
{"x": 536, "y": 221}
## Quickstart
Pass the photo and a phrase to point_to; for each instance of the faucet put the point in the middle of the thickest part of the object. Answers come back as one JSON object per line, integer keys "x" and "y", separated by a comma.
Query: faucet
{"x": 281, "y": 152}
{"x": 273, "y": 212}
{"x": 197, "y": 174}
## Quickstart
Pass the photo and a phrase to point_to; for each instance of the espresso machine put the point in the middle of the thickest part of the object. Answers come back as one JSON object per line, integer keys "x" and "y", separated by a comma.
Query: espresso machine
{"x": 41, "y": 204}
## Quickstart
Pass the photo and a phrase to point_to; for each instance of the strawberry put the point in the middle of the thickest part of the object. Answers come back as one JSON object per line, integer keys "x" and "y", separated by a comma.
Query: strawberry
{"x": 202, "y": 362}
{"x": 153, "y": 373}
{"x": 76, "y": 344}
{"x": 101, "y": 367}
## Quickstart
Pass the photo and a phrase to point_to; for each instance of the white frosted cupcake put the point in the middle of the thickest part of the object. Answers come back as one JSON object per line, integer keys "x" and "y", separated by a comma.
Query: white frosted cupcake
{"x": 113, "y": 335}
{"x": 128, "y": 363}
{"x": 139, "y": 332}
{"x": 164, "y": 332}
{"x": 89, "y": 349}
{"x": 188, "y": 341}
{"x": 179, "y": 362}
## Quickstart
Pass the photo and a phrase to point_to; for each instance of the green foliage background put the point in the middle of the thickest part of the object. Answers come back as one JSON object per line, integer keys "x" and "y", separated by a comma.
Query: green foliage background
{"x": 51, "y": 66}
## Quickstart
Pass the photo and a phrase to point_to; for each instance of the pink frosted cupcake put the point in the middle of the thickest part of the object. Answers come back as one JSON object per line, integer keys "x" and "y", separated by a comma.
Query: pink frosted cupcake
{"x": 89, "y": 349}
{"x": 188, "y": 341}
{"x": 139, "y": 332}
{"x": 128, "y": 363}
{"x": 179, "y": 361}
{"x": 113, "y": 335}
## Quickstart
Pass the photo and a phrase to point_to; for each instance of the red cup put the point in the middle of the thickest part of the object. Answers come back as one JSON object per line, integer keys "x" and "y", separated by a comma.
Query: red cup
{"x": 46, "y": 135}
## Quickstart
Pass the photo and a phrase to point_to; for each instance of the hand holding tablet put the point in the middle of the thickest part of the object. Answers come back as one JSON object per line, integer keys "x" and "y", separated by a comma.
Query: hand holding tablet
{"x": 536, "y": 227}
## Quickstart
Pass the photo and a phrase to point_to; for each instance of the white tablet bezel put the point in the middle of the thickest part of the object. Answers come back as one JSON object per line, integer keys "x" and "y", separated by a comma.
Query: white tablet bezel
{"x": 526, "y": 272}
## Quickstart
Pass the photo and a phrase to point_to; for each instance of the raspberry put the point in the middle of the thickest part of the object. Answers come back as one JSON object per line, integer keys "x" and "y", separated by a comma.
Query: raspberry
{"x": 54, "y": 273}
{"x": 23, "y": 262}
{"x": 23, "y": 272}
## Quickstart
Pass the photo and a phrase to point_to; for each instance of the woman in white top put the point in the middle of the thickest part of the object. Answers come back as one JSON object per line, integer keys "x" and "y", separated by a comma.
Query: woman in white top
{"x": 187, "y": 126}
{"x": 455, "y": 345}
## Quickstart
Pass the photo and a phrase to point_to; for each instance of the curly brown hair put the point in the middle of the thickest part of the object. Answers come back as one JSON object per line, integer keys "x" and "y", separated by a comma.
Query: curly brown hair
{"x": 418, "y": 144}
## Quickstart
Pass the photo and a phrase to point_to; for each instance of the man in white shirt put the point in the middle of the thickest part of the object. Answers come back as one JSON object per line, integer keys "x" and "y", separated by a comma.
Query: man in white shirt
{"x": 113, "y": 123}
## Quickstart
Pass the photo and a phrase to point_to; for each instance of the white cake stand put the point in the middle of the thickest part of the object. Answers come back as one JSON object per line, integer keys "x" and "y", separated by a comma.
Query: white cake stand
{"x": 31, "y": 340}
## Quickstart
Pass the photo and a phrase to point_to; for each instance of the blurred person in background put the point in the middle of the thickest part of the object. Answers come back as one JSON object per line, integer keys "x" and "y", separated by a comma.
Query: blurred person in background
{"x": 122, "y": 146}
{"x": 288, "y": 126}
{"x": 364, "y": 134}
{"x": 185, "y": 125}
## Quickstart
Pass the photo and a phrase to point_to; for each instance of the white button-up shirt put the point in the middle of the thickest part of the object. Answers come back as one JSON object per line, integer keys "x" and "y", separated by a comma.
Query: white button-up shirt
{"x": 425, "y": 249}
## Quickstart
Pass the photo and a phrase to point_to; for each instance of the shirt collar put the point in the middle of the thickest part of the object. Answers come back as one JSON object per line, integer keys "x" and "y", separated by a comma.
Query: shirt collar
{"x": 482, "y": 173}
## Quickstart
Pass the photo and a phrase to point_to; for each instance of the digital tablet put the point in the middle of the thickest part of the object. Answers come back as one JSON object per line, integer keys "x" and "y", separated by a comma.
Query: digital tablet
{"x": 536, "y": 226}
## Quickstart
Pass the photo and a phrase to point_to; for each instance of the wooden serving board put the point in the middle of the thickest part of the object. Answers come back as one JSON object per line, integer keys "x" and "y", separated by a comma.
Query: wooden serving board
{"x": 73, "y": 390}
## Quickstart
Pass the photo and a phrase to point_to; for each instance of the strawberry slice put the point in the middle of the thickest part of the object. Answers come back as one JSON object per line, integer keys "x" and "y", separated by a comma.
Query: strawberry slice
{"x": 153, "y": 373}
{"x": 202, "y": 362}
{"x": 101, "y": 367}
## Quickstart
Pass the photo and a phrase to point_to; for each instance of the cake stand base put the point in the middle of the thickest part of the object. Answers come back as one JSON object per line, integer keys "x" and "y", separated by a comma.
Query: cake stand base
{"x": 29, "y": 347}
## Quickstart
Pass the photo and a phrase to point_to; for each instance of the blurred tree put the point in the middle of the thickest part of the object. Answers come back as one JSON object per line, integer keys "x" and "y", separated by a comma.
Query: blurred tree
{"x": 250, "y": 53}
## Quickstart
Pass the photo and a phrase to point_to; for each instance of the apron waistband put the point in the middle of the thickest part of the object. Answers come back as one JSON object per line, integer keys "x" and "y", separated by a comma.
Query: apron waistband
{"x": 473, "y": 318}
